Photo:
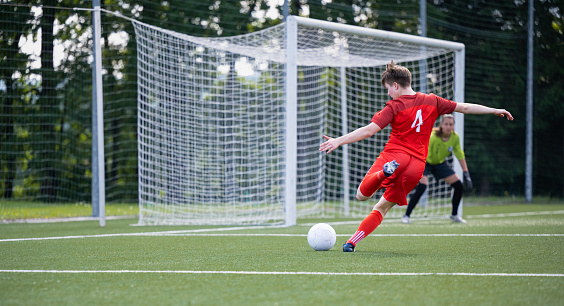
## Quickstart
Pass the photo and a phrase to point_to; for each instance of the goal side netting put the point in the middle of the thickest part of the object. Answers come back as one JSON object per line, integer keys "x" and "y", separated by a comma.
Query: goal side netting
{"x": 213, "y": 122}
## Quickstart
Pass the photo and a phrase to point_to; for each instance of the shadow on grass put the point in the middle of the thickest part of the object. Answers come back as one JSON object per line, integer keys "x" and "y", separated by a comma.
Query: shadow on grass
{"x": 366, "y": 252}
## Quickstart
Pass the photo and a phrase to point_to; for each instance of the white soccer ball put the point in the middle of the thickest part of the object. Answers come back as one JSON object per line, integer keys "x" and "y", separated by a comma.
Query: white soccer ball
{"x": 321, "y": 237}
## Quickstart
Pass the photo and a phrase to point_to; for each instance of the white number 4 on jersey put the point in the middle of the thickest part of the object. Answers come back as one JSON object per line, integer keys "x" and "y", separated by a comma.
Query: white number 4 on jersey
{"x": 418, "y": 121}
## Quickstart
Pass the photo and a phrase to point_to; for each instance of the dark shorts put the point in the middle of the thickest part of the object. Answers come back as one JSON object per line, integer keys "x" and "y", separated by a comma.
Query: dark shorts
{"x": 439, "y": 171}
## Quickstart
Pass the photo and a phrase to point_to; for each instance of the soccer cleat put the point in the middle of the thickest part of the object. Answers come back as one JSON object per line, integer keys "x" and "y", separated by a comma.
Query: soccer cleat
{"x": 405, "y": 219}
{"x": 348, "y": 247}
{"x": 390, "y": 167}
{"x": 457, "y": 219}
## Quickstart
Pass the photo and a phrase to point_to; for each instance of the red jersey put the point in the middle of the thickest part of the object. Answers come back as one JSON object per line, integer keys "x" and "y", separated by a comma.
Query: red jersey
{"x": 412, "y": 118}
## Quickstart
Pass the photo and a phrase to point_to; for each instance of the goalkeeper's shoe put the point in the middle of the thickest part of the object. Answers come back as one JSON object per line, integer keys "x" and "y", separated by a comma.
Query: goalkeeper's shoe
{"x": 390, "y": 167}
{"x": 457, "y": 219}
{"x": 405, "y": 219}
{"x": 348, "y": 247}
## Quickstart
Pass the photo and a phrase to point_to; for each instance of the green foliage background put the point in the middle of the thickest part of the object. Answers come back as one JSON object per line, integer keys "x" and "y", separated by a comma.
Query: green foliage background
{"x": 45, "y": 118}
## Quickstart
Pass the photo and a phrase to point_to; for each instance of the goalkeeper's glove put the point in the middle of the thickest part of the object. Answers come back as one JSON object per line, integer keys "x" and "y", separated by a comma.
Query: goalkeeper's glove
{"x": 467, "y": 180}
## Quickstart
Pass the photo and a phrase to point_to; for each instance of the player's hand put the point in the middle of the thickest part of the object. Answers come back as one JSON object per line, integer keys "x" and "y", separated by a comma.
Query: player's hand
{"x": 503, "y": 113}
{"x": 467, "y": 180}
{"x": 329, "y": 145}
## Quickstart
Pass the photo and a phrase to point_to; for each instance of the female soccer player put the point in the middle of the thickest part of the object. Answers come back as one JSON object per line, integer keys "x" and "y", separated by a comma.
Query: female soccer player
{"x": 444, "y": 142}
{"x": 400, "y": 165}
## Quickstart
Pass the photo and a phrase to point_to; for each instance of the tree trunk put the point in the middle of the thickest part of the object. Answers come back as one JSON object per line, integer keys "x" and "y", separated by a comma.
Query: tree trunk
{"x": 9, "y": 145}
{"x": 47, "y": 154}
{"x": 8, "y": 141}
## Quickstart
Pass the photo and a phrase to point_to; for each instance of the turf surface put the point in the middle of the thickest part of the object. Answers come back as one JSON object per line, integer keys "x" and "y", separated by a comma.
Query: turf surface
{"x": 504, "y": 255}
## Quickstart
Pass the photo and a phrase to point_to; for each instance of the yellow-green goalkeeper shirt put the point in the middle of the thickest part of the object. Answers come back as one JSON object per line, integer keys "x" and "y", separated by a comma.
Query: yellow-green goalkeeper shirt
{"x": 439, "y": 149}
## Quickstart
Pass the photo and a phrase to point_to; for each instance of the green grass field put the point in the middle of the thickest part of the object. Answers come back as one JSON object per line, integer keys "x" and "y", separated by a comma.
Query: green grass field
{"x": 14, "y": 210}
{"x": 504, "y": 255}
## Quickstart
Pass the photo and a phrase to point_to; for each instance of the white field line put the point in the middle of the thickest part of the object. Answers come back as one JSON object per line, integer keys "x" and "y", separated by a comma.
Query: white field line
{"x": 374, "y": 235}
{"x": 74, "y": 219}
{"x": 206, "y": 231}
{"x": 143, "y": 234}
{"x": 189, "y": 233}
{"x": 502, "y": 215}
{"x": 68, "y": 219}
{"x": 285, "y": 273}
{"x": 518, "y": 214}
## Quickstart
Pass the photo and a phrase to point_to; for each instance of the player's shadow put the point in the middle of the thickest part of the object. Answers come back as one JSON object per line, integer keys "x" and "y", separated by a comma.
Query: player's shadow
{"x": 384, "y": 254}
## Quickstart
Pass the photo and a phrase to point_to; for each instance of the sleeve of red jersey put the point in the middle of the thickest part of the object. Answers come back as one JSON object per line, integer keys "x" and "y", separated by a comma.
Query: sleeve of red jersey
{"x": 384, "y": 117}
{"x": 445, "y": 106}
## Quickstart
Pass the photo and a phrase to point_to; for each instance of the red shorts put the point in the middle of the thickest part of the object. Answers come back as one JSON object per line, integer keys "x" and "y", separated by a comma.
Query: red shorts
{"x": 404, "y": 179}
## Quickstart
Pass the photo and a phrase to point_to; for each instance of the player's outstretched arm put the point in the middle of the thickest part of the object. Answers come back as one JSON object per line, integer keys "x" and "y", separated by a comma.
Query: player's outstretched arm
{"x": 469, "y": 108}
{"x": 364, "y": 132}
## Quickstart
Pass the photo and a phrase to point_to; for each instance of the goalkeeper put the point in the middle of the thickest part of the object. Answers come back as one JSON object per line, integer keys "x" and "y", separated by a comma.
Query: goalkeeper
{"x": 444, "y": 141}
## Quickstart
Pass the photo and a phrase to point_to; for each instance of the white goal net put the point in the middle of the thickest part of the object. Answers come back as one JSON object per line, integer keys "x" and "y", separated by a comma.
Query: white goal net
{"x": 222, "y": 142}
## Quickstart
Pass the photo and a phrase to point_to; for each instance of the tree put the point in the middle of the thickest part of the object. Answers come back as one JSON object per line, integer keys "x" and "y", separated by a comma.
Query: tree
{"x": 14, "y": 20}
{"x": 548, "y": 96}
{"x": 47, "y": 159}
{"x": 495, "y": 39}
{"x": 45, "y": 133}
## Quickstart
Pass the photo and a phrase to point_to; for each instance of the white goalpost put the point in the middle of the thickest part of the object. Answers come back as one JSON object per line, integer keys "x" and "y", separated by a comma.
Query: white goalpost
{"x": 229, "y": 128}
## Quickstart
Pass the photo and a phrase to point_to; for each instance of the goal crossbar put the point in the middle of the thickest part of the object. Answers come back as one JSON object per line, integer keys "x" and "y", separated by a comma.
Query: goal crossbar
{"x": 375, "y": 33}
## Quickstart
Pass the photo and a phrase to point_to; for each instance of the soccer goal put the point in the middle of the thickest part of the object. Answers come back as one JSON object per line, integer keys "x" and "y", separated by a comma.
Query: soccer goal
{"x": 229, "y": 127}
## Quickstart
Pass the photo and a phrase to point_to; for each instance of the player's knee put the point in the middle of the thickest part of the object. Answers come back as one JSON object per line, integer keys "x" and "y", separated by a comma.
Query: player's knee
{"x": 360, "y": 196}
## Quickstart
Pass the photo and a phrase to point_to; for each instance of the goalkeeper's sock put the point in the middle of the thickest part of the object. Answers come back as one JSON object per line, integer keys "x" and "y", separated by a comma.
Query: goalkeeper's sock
{"x": 367, "y": 226}
{"x": 371, "y": 183}
{"x": 457, "y": 195}
{"x": 419, "y": 190}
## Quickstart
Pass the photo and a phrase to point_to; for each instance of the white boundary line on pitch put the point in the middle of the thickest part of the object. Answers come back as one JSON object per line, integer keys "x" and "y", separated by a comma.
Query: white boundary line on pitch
{"x": 194, "y": 233}
{"x": 285, "y": 273}
{"x": 144, "y": 234}
{"x": 518, "y": 214}
{"x": 373, "y": 235}
{"x": 501, "y": 215}
{"x": 66, "y": 219}
{"x": 73, "y": 219}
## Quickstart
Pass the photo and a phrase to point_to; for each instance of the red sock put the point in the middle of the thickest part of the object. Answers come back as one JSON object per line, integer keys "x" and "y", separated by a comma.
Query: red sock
{"x": 367, "y": 226}
{"x": 371, "y": 183}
